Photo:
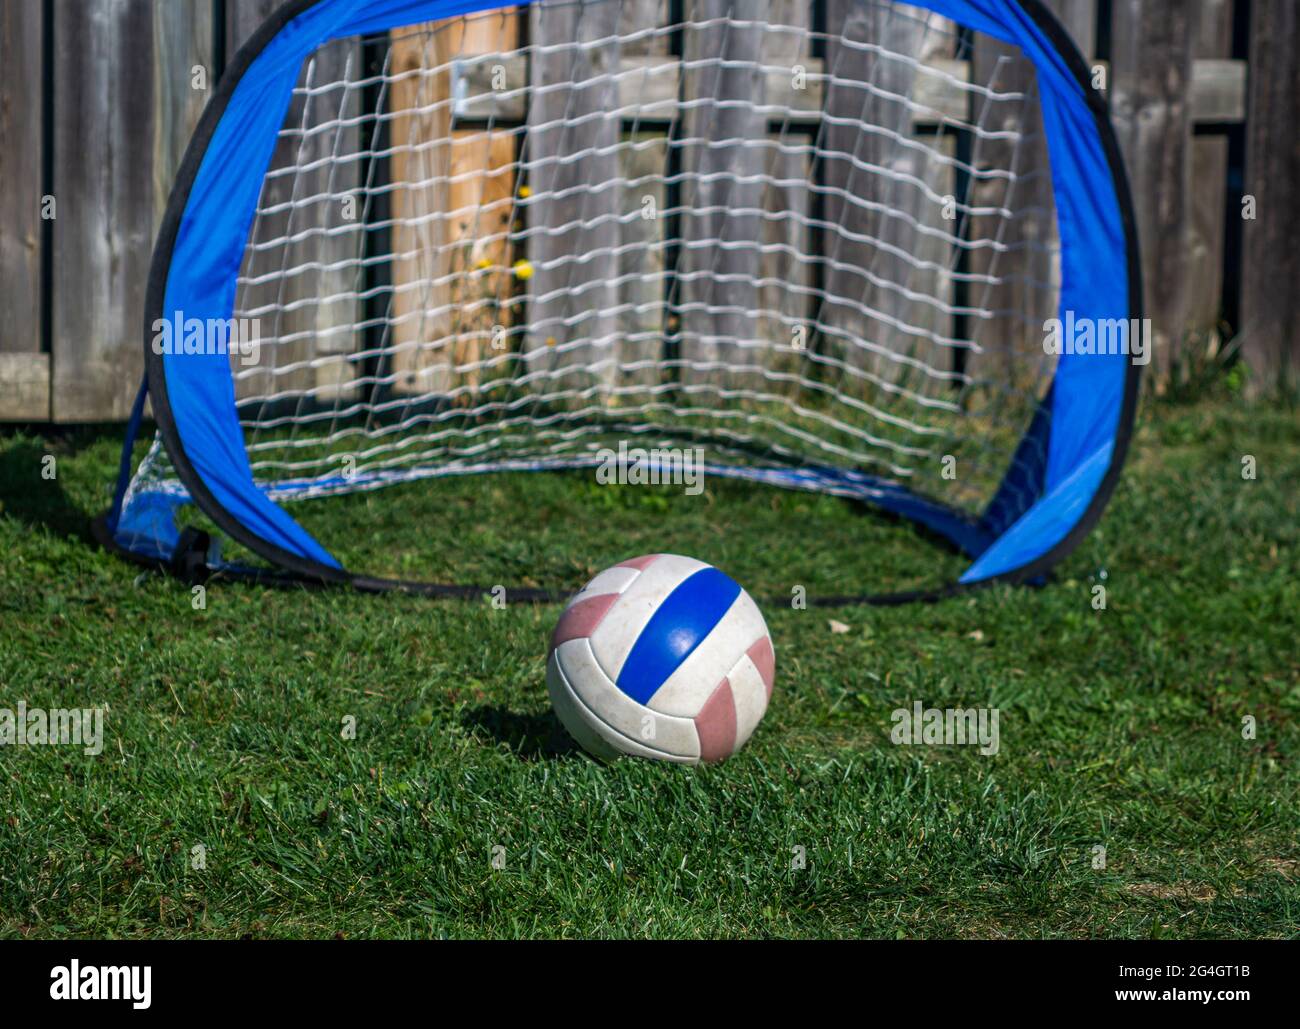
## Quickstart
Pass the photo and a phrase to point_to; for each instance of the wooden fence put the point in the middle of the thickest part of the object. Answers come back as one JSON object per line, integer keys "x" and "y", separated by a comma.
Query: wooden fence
{"x": 98, "y": 99}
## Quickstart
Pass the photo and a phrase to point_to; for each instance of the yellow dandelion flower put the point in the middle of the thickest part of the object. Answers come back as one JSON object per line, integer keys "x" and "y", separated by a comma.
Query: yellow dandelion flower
{"x": 524, "y": 270}
{"x": 484, "y": 263}
{"x": 525, "y": 192}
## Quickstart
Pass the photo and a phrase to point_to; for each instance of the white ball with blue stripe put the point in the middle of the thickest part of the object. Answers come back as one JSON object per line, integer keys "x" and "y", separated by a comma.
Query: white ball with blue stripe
{"x": 664, "y": 657}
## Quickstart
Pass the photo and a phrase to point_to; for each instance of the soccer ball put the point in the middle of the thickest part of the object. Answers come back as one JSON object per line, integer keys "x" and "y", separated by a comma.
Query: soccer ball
{"x": 662, "y": 657}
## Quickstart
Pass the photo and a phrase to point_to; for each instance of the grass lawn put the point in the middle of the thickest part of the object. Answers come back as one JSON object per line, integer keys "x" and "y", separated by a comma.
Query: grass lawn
{"x": 1120, "y": 728}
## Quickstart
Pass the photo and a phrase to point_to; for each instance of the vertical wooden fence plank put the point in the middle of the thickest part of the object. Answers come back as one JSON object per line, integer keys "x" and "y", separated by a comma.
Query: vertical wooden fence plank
{"x": 304, "y": 297}
{"x": 21, "y": 110}
{"x": 1270, "y": 303}
{"x": 843, "y": 248}
{"x": 24, "y": 370}
{"x": 243, "y": 17}
{"x": 786, "y": 266}
{"x": 479, "y": 251}
{"x": 1080, "y": 20}
{"x": 424, "y": 208}
{"x": 1205, "y": 254}
{"x": 1214, "y": 27}
{"x": 1213, "y": 39}
{"x": 1011, "y": 364}
{"x": 1151, "y": 82}
{"x": 573, "y": 213}
{"x": 643, "y": 165}
{"x": 722, "y": 189}
{"x": 877, "y": 262}
{"x": 453, "y": 206}
{"x": 121, "y": 69}
{"x": 1014, "y": 282}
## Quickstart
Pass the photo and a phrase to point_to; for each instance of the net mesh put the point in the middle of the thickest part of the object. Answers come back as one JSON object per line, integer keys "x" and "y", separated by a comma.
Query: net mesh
{"x": 814, "y": 240}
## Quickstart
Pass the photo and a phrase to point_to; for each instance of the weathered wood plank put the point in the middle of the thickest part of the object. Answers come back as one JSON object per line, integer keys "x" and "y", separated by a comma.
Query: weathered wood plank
{"x": 1270, "y": 303}
{"x": 1013, "y": 281}
{"x": 573, "y": 213}
{"x": 477, "y": 259}
{"x": 122, "y": 82}
{"x": 881, "y": 194}
{"x": 722, "y": 192}
{"x": 308, "y": 322}
{"x": 243, "y": 18}
{"x": 646, "y": 87}
{"x": 1151, "y": 78}
{"x": 1210, "y": 155}
{"x": 291, "y": 280}
{"x": 1214, "y": 28}
{"x": 454, "y": 210}
{"x": 1205, "y": 259}
{"x": 643, "y": 163}
{"x": 302, "y": 293}
{"x": 645, "y": 78}
{"x": 24, "y": 387}
{"x": 1080, "y": 20}
{"x": 21, "y": 225}
{"x": 421, "y": 207}
{"x": 1218, "y": 93}
{"x": 849, "y": 164}
{"x": 787, "y": 260}
{"x": 638, "y": 16}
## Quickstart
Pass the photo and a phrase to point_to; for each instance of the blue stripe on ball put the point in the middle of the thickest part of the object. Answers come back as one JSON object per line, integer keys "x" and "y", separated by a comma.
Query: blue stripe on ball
{"x": 683, "y": 620}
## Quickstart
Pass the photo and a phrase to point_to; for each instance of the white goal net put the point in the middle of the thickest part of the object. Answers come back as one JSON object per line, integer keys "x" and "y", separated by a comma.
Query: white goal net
{"x": 815, "y": 240}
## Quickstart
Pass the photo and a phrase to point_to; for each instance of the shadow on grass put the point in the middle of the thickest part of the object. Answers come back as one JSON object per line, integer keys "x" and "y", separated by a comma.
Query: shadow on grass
{"x": 35, "y": 500}
{"x": 529, "y": 737}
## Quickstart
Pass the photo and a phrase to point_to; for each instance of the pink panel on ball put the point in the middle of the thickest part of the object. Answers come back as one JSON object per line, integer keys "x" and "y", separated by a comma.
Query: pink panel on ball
{"x": 765, "y": 661}
{"x": 716, "y": 724}
{"x": 639, "y": 563}
{"x": 582, "y": 618}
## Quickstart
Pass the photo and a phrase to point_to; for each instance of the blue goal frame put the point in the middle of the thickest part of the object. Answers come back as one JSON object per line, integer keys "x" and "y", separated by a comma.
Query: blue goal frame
{"x": 1046, "y": 503}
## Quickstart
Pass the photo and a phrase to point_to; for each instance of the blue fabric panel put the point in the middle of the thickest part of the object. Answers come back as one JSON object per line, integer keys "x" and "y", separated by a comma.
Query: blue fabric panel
{"x": 1051, "y": 518}
{"x": 687, "y": 615}
{"x": 148, "y": 525}
{"x": 1023, "y": 485}
{"x": 1088, "y": 391}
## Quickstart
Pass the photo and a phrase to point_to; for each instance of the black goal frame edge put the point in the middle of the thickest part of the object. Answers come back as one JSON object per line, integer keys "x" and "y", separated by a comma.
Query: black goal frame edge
{"x": 293, "y": 570}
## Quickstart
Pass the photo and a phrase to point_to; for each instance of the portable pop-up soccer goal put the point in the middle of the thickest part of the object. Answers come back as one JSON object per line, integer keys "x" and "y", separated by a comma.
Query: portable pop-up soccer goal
{"x": 819, "y": 241}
